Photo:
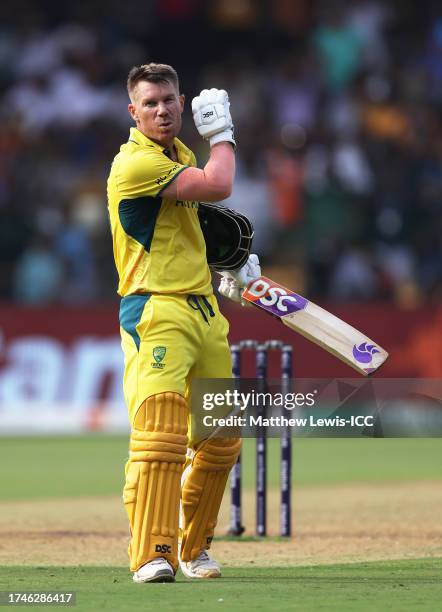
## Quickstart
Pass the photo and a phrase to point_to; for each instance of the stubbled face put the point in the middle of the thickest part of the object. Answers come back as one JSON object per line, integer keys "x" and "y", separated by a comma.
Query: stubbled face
{"x": 156, "y": 109}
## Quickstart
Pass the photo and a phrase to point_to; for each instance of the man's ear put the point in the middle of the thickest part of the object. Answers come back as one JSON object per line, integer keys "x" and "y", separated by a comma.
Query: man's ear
{"x": 132, "y": 111}
{"x": 182, "y": 98}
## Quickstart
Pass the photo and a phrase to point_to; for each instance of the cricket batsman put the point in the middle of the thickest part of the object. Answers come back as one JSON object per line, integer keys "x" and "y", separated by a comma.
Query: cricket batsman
{"x": 170, "y": 323}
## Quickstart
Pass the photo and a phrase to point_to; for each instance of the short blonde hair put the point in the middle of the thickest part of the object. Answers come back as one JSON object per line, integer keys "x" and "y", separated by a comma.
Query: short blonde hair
{"x": 154, "y": 73}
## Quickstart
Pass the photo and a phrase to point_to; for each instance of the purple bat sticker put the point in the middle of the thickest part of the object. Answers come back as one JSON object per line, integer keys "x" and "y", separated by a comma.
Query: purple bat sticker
{"x": 364, "y": 352}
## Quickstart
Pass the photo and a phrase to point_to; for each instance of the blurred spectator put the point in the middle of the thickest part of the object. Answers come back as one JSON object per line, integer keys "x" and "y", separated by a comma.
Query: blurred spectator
{"x": 15, "y": 231}
{"x": 433, "y": 61}
{"x": 339, "y": 46}
{"x": 38, "y": 274}
{"x": 251, "y": 196}
{"x": 295, "y": 92}
{"x": 369, "y": 19}
{"x": 351, "y": 167}
{"x": 73, "y": 247}
{"x": 336, "y": 106}
{"x": 354, "y": 277}
{"x": 285, "y": 178}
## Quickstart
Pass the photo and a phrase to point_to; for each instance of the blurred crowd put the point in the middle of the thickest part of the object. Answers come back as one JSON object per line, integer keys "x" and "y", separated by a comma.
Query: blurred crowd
{"x": 337, "y": 112}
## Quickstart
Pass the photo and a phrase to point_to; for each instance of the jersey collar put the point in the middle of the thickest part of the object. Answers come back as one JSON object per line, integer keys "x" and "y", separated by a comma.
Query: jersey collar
{"x": 184, "y": 152}
{"x": 141, "y": 139}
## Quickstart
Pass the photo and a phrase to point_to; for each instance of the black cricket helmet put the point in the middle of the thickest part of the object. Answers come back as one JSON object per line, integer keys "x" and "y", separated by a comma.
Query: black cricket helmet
{"x": 228, "y": 235}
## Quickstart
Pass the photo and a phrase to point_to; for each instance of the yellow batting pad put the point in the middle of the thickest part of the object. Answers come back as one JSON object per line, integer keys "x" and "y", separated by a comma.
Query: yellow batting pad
{"x": 158, "y": 445}
{"x": 202, "y": 492}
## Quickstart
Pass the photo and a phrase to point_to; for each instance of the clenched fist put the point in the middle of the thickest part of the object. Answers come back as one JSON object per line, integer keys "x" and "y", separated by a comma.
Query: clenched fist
{"x": 234, "y": 282}
{"x": 212, "y": 116}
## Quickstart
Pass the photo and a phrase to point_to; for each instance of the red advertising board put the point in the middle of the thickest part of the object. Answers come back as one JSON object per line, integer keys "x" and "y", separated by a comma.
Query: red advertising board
{"x": 70, "y": 358}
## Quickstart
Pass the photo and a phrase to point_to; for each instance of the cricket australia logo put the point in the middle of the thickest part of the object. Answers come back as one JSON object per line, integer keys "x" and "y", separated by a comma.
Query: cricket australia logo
{"x": 159, "y": 352}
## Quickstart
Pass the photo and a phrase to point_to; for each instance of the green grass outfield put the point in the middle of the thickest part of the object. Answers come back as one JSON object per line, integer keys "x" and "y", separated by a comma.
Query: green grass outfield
{"x": 32, "y": 468}
{"x": 94, "y": 465}
{"x": 392, "y": 585}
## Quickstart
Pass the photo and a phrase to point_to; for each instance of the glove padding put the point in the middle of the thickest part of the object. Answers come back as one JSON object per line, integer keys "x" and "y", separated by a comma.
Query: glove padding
{"x": 212, "y": 116}
{"x": 233, "y": 282}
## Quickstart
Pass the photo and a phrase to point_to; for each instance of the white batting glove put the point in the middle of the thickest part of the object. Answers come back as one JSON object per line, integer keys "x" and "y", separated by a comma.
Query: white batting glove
{"x": 212, "y": 116}
{"x": 233, "y": 282}
{"x": 227, "y": 288}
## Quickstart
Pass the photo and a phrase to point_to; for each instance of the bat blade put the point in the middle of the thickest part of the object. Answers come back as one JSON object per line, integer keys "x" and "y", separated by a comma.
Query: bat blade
{"x": 316, "y": 324}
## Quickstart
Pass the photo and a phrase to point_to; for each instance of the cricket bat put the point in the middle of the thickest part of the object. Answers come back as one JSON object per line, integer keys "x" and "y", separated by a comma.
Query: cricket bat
{"x": 316, "y": 324}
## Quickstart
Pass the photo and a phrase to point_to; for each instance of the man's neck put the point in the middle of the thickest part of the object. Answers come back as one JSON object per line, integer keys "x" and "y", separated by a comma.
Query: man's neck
{"x": 169, "y": 149}
{"x": 171, "y": 152}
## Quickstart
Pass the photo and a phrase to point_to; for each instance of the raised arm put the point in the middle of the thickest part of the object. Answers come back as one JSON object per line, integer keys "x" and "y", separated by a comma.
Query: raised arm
{"x": 211, "y": 184}
{"x": 213, "y": 121}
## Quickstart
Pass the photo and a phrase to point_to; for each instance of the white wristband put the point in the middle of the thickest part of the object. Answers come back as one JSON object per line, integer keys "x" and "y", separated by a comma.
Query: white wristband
{"x": 226, "y": 136}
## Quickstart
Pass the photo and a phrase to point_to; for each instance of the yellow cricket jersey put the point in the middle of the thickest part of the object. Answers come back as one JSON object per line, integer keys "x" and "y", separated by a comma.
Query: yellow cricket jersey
{"x": 158, "y": 244}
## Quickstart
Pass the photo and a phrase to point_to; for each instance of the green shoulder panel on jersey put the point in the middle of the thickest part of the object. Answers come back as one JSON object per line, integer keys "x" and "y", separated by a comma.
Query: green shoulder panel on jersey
{"x": 131, "y": 309}
{"x": 138, "y": 217}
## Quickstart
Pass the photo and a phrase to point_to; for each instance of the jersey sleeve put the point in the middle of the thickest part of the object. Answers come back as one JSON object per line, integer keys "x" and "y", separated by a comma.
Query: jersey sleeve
{"x": 192, "y": 161}
{"x": 147, "y": 174}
